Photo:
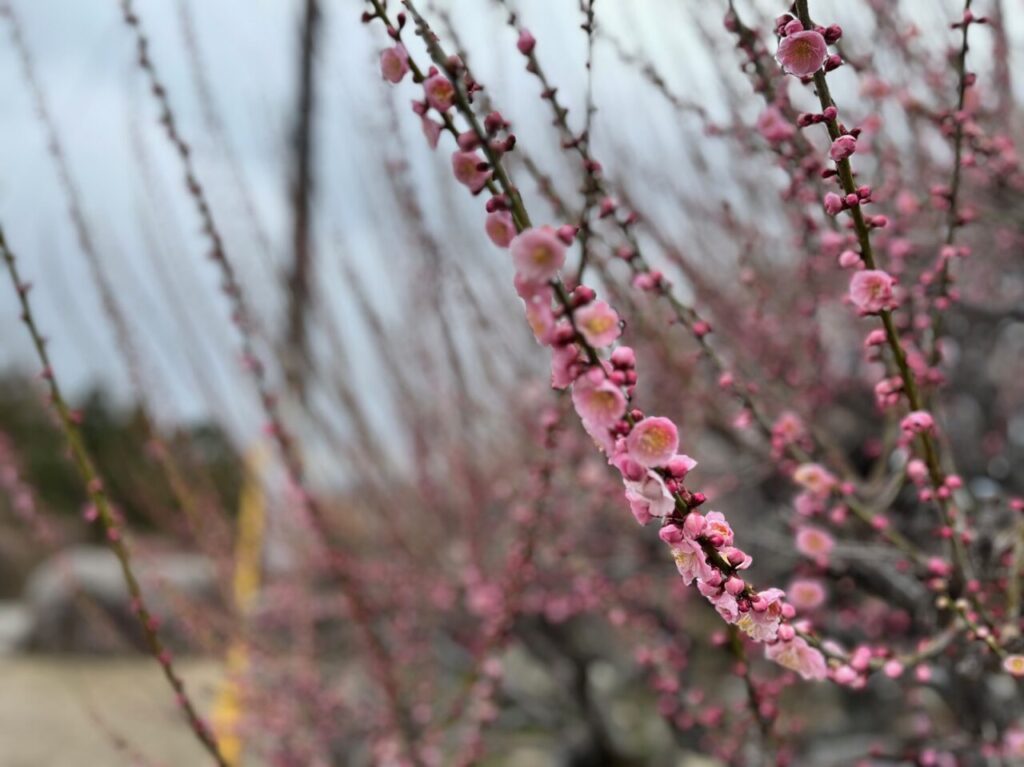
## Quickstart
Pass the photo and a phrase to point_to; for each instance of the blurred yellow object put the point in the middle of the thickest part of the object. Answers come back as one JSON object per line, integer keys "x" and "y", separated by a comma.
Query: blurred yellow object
{"x": 227, "y": 711}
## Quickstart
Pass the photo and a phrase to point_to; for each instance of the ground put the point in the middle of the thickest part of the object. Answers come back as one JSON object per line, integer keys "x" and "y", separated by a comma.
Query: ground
{"x": 68, "y": 712}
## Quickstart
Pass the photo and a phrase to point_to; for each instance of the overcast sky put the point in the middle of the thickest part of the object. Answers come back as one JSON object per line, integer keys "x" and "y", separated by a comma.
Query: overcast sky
{"x": 85, "y": 63}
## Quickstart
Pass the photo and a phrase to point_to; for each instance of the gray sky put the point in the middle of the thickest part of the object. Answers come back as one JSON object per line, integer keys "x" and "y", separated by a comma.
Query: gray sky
{"x": 84, "y": 60}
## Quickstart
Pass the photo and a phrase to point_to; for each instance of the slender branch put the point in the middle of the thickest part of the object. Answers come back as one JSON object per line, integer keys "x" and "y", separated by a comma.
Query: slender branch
{"x": 112, "y": 529}
{"x": 862, "y": 230}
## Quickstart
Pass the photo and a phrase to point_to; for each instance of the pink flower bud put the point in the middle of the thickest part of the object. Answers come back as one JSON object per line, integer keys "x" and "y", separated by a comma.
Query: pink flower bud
{"x": 833, "y": 204}
{"x": 624, "y": 357}
{"x": 735, "y": 585}
{"x": 843, "y": 147}
{"x": 526, "y": 42}
{"x": 850, "y": 259}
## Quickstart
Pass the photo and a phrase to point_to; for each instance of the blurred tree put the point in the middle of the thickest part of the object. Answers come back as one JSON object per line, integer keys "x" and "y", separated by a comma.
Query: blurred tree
{"x": 116, "y": 437}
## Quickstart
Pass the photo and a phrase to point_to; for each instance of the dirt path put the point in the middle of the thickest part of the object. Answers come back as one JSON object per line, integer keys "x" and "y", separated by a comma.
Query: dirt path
{"x": 60, "y": 712}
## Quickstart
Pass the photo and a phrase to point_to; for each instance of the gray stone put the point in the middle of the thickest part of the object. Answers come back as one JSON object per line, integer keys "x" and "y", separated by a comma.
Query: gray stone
{"x": 78, "y": 600}
{"x": 15, "y": 626}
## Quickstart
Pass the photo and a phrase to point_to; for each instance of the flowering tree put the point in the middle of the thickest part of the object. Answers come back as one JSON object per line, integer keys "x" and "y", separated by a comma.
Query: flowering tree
{"x": 845, "y": 394}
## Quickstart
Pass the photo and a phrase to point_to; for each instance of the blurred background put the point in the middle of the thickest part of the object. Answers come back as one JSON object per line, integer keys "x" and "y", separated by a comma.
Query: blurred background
{"x": 387, "y": 325}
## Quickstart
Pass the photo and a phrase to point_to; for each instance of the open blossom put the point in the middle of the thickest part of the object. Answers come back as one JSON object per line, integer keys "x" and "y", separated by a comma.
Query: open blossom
{"x": 603, "y": 439}
{"x": 394, "y": 63}
{"x": 649, "y": 497}
{"x": 725, "y": 604}
{"x": 467, "y": 170}
{"x": 815, "y": 543}
{"x": 691, "y": 561}
{"x": 761, "y": 622}
{"x": 439, "y": 91}
{"x": 601, "y": 403}
{"x": 653, "y": 442}
{"x": 802, "y": 53}
{"x": 541, "y": 317}
{"x": 806, "y": 593}
{"x": 500, "y": 228}
{"x": 798, "y": 656}
{"x": 815, "y": 478}
{"x": 537, "y": 254}
{"x": 598, "y": 323}
{"x": 564, "y": 365}
{"x": 1014, "y": 665}
{"x": 871, "y": 290}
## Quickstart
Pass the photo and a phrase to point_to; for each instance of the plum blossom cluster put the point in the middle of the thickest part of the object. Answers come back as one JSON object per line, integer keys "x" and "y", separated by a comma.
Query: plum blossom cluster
{"x": 580, "y": 330}
{"x": 904, "y": 538}
{"x": 645, "y": 450}
{"x": 835, "y": 224}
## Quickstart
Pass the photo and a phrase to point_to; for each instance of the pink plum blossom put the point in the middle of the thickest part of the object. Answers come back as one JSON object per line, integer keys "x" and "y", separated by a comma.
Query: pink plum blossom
{"x": 815, "y": 478}
{"x": 537, "y": 254}
{"x": 467, "y": 170}
{"x": 653, "y": 442}
{"x": 798, "y": 656}
{"x": 834, "y": 204}
{"x": 541, "y": 318}
{"x": 814, "y": 543}
{"x": 738, "y": 558}
{"x": 843, "y": 147}
{"x": 526, "y": 42}
{"x": 850, "y": 259}
{"x": 598, "y": 323}
{"x": 564, "y": 362}
{"x": 808, "y": 504}
{"x": 717, "y": 528}
{"x": 918, "y": 422}
{"x": 802, "y": 53}
{"x": 761, "y": 622}
{"x": 691, "y": 561}
{"x": 725, "y": 604}
{"x": 432, "y": 130}
{"x": 500, "y": 228}
{"x": 680, "y": 466}
{"x": 601, "y": 403}
{"x": 1013, "y": 744}
{"x": 1014, "y": 665}
{"x": 439, "y": 92}
{"x": 788, "y": 429}
{"x": 806, "y": 593}
{"x": 394, "y": 63}
{"x": 650, "y": 497}
{"x": 917, "y": 471}
{"x": 871, "y": 291}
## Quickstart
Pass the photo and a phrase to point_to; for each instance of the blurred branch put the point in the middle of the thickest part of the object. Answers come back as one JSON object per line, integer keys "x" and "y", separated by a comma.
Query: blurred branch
{"x": 295, "y": 354}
